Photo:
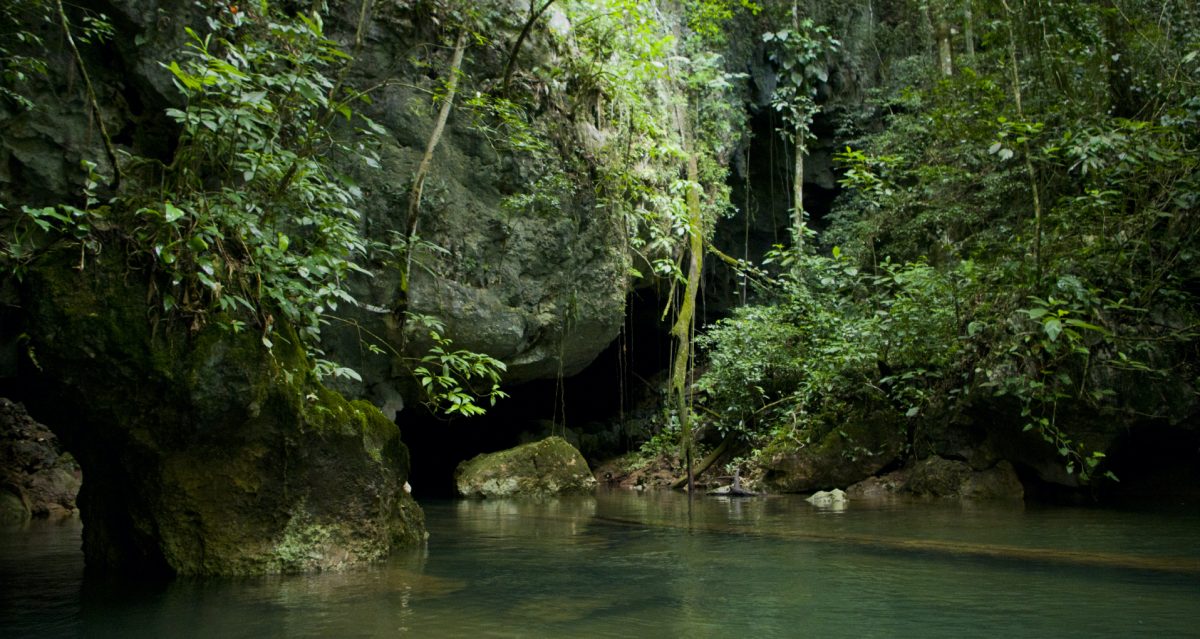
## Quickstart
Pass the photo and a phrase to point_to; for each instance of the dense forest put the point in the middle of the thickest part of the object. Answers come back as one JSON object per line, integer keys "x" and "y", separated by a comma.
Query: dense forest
{"x": 877, "y": 236}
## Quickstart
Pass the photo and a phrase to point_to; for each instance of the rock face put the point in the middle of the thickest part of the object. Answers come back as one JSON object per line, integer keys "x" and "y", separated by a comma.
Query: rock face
{"x": 938, "y": 477}
{"x": 843, "y": 456}
{"x": 549, "y": 467}
{"x": 531, "y": 272}
{"x": 204, "y": 453}
{"x": 37, "y": 479}
{"x": 518, "y": 259}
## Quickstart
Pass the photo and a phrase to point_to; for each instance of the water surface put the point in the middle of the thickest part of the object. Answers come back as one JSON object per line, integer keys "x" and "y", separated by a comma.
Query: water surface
{"x": 636, "y": 564}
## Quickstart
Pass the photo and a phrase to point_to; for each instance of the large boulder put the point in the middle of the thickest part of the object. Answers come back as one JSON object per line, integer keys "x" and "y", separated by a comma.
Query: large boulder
{"x": 204, "y": 452}
{"x": 518, "y": 258}
{"x": 549, "y": 467}
{"x": 940, "y": 477}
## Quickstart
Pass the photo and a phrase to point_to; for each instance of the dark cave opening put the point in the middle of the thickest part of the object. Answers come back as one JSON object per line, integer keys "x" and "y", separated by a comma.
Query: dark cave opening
{"x": 1154, "y": 463}
{"x": 601, "y": 409}
{"x": 761, "y": 187}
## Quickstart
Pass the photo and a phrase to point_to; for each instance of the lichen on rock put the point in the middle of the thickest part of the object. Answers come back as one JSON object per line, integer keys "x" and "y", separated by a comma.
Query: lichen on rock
{"x": 548, "y": 467}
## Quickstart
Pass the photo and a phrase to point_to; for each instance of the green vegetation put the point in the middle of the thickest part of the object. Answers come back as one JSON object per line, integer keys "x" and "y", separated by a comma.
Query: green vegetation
{"x": 1015, "y": 232}
{"x": 1018, "y": 228}
{"x": 255, "y": 223}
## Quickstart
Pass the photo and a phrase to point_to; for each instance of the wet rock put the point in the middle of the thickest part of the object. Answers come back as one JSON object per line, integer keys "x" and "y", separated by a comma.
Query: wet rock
{"x": 998, "y": 482}
{"x": 14, "y": 510}
{"x": 938, "y": 477}
{"x": 549, "y": 467}
{"x": 827, "y": 497}
{"x": 33, "y": 467}
{"x": 877, "y": 487}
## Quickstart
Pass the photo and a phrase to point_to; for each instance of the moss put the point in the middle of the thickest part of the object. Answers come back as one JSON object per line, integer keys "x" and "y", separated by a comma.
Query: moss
{"x": 380, "y": 435}
{"x": 14, "y": 510}
{"x": 547, "y": 467}
{"x": 206, "y": 453}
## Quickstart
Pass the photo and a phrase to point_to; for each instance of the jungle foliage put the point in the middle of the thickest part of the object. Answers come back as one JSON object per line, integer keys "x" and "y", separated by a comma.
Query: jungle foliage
{"x": 255, "y": 222}
{"x": 1018, "y": 228}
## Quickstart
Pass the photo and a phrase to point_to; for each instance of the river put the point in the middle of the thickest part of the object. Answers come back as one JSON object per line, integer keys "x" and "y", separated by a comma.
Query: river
{"x": 627, "y": 564}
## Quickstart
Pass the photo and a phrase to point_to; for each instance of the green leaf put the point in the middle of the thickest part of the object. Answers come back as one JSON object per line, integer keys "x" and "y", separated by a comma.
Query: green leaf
{"x": 189, "y": 81}
{"x": 172, "y": 214}
{"x": 1053, "y": 327}
{"x": 1091, "y": 327}
{"x": 197, "y": 243}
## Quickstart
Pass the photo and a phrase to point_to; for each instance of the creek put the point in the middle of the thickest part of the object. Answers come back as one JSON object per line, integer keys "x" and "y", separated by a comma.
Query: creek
{"x": 628, "y": 564}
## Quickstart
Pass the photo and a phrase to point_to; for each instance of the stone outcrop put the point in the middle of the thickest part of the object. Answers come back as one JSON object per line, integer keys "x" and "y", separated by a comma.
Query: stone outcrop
{"x": 36, "y": 478}
{"x": 549, "y": 467}
{"x": 843, "y": 456}
{"x": 205, "y": 453}
{"x": 532, "y": 274}
{"x": 939, "y": 477}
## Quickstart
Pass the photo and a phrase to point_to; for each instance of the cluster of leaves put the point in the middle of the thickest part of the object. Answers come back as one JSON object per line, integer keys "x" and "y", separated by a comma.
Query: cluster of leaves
{"x": 1062, "y": 192}
{"x": 825, "y": 335}
{"x": 24, "y": 25}
{"x": 802, "y": 57}
{"x": 252, "y": 219}
{"x": 253, "y": 225}
{"x": 450, "y": 376}
{"x": 645, "y": 83}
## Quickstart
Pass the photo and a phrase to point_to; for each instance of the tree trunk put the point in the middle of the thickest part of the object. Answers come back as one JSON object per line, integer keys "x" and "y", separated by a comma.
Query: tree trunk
{"x": 685, "y": 320}
{"x": 945, "y": 56}
{"x": 798, "y": 188}
{"x": 414, "y": 196}
{"x": 799, "y": 147}
{"x": 969, "y": 31}
{"x": 510, "y": 65}
{"x": 1029, "y": 168}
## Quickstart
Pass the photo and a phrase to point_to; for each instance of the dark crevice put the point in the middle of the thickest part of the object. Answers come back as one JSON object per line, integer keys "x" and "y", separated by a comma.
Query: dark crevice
{"x": 603, "y": 407}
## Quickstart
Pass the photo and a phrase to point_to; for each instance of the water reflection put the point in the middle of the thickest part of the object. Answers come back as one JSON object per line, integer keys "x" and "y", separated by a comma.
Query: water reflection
{"x": 631, "y": 564}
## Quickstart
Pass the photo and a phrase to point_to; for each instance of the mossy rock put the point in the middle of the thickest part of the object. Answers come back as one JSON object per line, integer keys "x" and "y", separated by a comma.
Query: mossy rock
{"x": 861, "y": 447}
{"x": 938, "y": 477}
{"x": 548, "y": 467}
{"x": 205, "y": 453}
{"x": 14, "y": 511}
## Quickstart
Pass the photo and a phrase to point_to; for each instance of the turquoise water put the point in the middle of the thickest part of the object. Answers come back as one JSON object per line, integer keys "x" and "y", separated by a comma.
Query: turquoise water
{"x": 637, "y": 565}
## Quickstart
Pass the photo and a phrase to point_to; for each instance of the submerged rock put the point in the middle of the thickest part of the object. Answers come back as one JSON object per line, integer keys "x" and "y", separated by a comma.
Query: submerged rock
{"x": 549, "y": 467}
{"x": 833, "y": 497}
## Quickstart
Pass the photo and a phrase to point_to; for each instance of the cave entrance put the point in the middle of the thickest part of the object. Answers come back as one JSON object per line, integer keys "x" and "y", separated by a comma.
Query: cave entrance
{"x": 602, "y": 409}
